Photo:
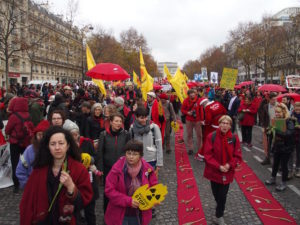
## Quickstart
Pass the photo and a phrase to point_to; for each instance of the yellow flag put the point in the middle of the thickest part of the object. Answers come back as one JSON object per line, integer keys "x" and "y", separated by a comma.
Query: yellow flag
{"x": 179, "y": 84}
{"x": 146, "y": 79}
{"x": 90, "y": 64}
{"x": 185, "y": 77}
{"x": 136, "y": 80}
{"x": 167, "y": 72}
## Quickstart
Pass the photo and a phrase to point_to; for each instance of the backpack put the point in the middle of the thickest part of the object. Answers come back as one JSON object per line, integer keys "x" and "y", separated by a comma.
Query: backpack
{"x": 214, "y": 137}
{"x": 28, "y": 131}
{"x": 153, "y": 134}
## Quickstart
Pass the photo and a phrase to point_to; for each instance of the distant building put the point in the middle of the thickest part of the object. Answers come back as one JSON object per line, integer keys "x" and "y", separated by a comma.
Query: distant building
{"x": 172, "y": 66}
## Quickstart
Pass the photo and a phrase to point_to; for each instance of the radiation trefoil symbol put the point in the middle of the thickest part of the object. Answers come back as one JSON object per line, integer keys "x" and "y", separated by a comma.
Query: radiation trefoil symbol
{"x": 148, "y": 197}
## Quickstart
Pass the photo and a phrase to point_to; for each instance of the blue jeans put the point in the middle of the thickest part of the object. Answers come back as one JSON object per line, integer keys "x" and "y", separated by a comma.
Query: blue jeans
{"x": 130, "y": 221}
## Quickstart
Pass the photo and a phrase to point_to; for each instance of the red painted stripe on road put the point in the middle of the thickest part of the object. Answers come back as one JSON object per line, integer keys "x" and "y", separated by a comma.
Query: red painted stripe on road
{"x": 267, "y": 208}
{"x": 189, "y": 202}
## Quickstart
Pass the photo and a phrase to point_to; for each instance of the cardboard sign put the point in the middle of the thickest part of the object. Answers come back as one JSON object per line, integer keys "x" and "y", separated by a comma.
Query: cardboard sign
{"x": 148, "y": 197}
{"x": 229, "y": 77}
{"x": 293, "y": 81}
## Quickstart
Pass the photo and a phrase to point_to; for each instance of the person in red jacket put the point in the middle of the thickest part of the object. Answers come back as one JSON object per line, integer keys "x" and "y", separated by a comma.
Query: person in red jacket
{"x": 14, "y": 129}
{"x": 59, "y": 186}
{"x": 156, "y": 112}
{"x": 213, "y": 111}
{"x": 191, "y": 108}
{"x": 249, "y": 108}
{"x": 222, "y": 153}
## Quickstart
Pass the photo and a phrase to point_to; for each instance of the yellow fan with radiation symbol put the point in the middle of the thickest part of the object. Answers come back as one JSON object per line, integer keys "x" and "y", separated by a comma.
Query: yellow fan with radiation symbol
{"x": 175, "y": 126}
{"x": 148, "y": 197}
{"x": 86, "y": 159}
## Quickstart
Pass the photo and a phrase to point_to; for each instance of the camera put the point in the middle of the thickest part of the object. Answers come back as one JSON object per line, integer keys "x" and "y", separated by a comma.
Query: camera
{"x": 194, "y": 114}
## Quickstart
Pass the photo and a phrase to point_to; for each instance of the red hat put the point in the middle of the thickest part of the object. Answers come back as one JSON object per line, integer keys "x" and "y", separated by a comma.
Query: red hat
{"x": 42, "y": 126}
{"x": 163, "y": 96}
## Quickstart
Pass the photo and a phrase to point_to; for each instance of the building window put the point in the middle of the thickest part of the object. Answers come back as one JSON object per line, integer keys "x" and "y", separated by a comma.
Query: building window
{"x": 23, "y": 65}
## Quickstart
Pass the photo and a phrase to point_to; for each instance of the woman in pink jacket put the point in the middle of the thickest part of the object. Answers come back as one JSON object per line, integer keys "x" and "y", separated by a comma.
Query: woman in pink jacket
{"x": 222, "y": 153}
{"x": 127, "y": 175}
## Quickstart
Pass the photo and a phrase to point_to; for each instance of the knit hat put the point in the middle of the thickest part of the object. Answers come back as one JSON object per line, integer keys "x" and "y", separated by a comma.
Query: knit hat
{"x": 42, "y": 126}
{"x": 119, "y": 101}
{"x": 70, "y": 126}
{"x": 152, "y": 94}
{"x": 163, "y": 96}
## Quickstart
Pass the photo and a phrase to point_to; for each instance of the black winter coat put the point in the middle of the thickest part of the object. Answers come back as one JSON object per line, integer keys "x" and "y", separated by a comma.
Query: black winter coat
{"x": 284, "y": 141}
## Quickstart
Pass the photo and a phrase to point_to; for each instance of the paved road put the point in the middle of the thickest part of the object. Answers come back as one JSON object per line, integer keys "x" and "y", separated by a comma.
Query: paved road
{"x": 238, "y": 210}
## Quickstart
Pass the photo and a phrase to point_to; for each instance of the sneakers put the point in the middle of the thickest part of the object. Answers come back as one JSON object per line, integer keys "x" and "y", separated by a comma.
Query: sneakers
{"x": 271, "y": 181}
{"x": 290, "y": 175}
{"x": 249, "y": 145}
{"x": 281, "y": 186}
{"x": 266, "y": 161}
{"x": 297, "y": 173}
{"x": 168, "y": 151}
{"x": 190, "y": 152}
{"x": 220, "y": 221}
{"x": 199, "y": 157}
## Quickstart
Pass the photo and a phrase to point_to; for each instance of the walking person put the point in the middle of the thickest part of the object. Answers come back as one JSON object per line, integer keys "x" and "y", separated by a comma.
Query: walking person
{"x": 249, "y": 110}
{"x": 222, "y": 154}
{"x": 282, "y": 146}
{"x": 233, "y": 107}
{"x": 126, "y": 176}
{"x": 192, "y": 110}
{"x": 59, "y": 186}
{"x": 110, "y": 148}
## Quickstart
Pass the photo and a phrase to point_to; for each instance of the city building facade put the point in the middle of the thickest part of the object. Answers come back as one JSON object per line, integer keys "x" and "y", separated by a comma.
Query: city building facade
{"x": 51, "y": 48}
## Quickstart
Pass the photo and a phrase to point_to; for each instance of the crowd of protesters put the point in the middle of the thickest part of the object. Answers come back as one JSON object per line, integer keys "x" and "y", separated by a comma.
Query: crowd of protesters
{"x": 50, "y": 128}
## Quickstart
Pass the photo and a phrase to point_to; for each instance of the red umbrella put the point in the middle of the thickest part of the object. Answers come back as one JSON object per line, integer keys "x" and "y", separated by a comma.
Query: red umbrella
{"x": 245, "y": 83}
{"x": 192, "y": 84}
{"x": 157, "y": 87}
{"x": 294, "y": 96}
{"x": 108, "y": 71}
{"x": 237, "y": 86}
{"x": 272, "y": 87}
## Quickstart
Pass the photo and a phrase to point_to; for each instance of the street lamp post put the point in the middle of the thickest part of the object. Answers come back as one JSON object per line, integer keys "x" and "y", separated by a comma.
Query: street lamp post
{"x": 83, "y": 31}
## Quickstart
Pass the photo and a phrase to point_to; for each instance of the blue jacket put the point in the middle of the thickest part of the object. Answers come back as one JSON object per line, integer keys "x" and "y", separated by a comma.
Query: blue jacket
{"x": 24, "y": 168}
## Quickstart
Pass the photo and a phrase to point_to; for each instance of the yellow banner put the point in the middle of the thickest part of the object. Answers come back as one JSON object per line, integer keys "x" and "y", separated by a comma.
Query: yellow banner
{"x": 136, "y": 80}
{"x": 179, "y": 84}
{"x": 228, "y": 79}
{"x": 146, "y": 80}
{"x": 90, "y": 64}
{"x": 167, "y": 72}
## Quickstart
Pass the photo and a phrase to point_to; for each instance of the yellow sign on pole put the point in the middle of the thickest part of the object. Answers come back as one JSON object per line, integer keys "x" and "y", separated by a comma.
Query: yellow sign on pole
{"x": 228, "y": 79}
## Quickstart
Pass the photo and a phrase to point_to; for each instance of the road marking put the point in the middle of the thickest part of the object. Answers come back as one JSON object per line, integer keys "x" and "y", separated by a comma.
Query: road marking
{"x": 257, "y": 158}
{"x": 278, "y": 174}
{"x": 258, "y": 149}
{"x": 247, "y": 149}
{"x": 239, "y": 134}
{"x": 293, "y": 188}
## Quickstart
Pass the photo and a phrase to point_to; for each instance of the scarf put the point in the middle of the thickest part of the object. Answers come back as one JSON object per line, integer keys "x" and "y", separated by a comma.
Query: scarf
{"x": 133, "y": 171}
{"x": 140, "y": 129}
{"x": 227, "y": 153}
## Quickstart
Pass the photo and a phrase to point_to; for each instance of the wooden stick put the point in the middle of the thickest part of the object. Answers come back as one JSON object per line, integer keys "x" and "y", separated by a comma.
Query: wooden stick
{"x": 265, "y": 199}
{"x": 279, "y": 218}
{"x": 193, "y": 222}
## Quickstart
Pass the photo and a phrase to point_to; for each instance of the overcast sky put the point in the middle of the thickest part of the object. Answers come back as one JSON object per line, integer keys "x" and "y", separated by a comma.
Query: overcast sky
{"x": 176, "y": 30}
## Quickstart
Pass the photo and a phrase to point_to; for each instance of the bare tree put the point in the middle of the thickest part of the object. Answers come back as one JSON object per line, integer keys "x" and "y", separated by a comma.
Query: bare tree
{"x": 10, "y": 41}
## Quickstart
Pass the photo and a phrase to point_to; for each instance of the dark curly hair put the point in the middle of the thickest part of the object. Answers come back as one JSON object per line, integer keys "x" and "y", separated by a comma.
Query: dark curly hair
{"x": 44, "y": 157}
{"x": 134, "y": 145}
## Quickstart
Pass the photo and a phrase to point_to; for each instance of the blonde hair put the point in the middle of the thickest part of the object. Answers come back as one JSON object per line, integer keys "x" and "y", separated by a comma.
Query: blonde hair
{"x": 283, "y": 109}
{"x": 225, "y": 117}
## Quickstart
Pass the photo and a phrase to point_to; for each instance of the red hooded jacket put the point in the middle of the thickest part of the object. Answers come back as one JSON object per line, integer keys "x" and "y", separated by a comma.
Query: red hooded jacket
{"x": 14, "y": 127}
{"x": 249, "y": 117}
{"x": 192, "y": 105}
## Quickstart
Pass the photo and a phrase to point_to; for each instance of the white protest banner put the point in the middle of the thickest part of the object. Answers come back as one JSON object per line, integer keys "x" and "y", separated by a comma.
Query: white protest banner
{"x": 293, "y": 81}
{"x": 214, "y": 77}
